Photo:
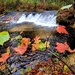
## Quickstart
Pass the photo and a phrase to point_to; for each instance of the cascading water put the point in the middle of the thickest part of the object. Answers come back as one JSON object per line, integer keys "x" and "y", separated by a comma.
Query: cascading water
{"x": 43, "y": 19}
{"x": 46, "y": 18}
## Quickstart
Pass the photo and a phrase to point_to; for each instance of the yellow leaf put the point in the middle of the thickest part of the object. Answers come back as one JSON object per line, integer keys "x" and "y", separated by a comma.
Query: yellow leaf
{"x": 47, "y": 44}
{"x": 8, "y": 50}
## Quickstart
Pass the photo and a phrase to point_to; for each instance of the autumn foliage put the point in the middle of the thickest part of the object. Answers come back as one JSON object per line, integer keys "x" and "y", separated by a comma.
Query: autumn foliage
{"x": 23, "y": 47}
{"x": 39, "y": 45}
{"x": 61, "y": 29}
{"x": 5, "y": 56}
{"x": 61, "y": 47}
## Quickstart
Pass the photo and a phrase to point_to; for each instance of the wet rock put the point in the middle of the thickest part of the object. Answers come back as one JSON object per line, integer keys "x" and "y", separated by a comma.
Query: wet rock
{"x": 8, "y": 18}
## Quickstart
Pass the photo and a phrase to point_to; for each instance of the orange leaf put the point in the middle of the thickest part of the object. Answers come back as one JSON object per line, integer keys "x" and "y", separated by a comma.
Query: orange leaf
{"x": 61, "y": 29}
{"x": 37, "y": 38}
{"x": 23, "y": 48}
{"x": 25, "y": 41}
{"x": 61, "y": 47}
{"x": 2, "y": 67}
{"x": 4, "y": 57}
{"x": 35, "y": 47}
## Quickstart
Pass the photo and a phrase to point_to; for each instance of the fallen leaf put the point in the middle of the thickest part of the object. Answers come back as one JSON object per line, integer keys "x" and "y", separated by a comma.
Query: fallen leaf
{"x": 39, "y": 45}
{"x": 5, "y": 56}
{"x": 18, "y": 37}
{"x": 35, "y": 46}
{"x": 66, "y": 68}
{"x": 37, "y": 39}
{"x": 47, "y": 44}
{"x": 8, "y": 50}
{"x": 42, "y": 46}
{"x": 61, "y": 29}
{"x": 23, "y": 47}
{"x": 4, "y": 36}
{"x": 61, "y": 47}
{"x": 25, "y": 41}
{"x": 2, "y": 67}
{"x": 66, "y": 7}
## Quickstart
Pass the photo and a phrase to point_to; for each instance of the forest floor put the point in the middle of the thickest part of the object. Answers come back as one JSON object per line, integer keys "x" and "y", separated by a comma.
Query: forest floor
{"x": 21, "y": 55}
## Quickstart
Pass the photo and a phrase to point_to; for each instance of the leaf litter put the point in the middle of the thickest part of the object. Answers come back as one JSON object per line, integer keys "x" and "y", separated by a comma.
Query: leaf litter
{"x": 27, "y": 52}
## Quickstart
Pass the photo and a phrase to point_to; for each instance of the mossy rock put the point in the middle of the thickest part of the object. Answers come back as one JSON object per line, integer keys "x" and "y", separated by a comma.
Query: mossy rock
{"x": 66, "y": 16}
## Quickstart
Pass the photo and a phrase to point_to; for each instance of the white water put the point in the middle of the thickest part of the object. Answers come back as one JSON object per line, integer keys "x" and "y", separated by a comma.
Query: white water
{"x": 47, "y": 18}
{"x": 39, "y": 19}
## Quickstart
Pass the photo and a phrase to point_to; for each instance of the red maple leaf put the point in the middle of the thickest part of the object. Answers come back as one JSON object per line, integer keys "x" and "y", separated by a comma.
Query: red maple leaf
{"x": 23, "y": 47}
{"x": 61, "y": 29}
{"x": 61, "y": 47}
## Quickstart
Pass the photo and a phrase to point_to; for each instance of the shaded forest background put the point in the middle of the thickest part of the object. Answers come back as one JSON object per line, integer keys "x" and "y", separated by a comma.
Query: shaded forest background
{"x": 31, "y": 5}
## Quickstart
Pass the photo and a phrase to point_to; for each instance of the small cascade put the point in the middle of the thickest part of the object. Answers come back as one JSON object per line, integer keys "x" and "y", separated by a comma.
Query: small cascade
{"x": 42, "y": 19}
{"x": 46, "y": 18}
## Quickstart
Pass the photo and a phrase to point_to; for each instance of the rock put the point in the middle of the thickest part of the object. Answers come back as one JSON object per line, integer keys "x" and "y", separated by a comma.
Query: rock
{"x": 8, "y": 18}
{"x": 66, "y": 16}
{"x": 33, "y": 30}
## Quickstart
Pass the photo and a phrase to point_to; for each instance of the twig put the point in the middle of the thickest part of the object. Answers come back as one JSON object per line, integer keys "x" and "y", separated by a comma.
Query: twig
{"x": 62, "y": 61}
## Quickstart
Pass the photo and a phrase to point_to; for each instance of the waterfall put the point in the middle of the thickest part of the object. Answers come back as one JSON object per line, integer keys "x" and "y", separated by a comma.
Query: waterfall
{"x": 46, "y": 18}
{"x": 42, "y": 19}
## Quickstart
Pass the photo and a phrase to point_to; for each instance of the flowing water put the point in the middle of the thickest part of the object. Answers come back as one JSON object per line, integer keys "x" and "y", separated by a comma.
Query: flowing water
{"x": 46, "y": 18}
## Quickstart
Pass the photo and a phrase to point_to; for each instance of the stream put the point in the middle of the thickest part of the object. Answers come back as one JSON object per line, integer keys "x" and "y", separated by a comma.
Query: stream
{"x": 36, "y": 23}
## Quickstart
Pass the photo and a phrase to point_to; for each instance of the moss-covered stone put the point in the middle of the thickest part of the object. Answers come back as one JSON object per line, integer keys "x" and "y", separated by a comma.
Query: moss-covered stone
{"x": 66, "y": 16}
